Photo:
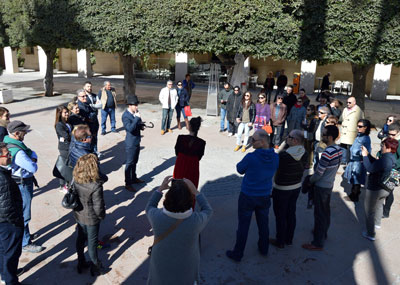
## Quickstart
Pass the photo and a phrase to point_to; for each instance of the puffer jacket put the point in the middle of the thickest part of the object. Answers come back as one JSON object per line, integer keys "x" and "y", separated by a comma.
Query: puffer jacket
{"x": 76, "y": 150}
{"x": 10, "y": 200}
{"x": 91, "y": 198}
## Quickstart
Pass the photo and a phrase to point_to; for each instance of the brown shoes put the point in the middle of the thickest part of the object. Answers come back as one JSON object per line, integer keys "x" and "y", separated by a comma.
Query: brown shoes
{"x": 130, "y": 188}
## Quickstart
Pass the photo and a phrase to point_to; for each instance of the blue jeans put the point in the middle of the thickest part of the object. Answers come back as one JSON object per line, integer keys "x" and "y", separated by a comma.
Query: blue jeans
{"x": 27, "y": 195}
{"x": 10, "y": 251}
{"x": 104, "y": 114}
{"x": 89, "y": 234}
{"x": 180, "y": 109}
{"x": 278, "y": 132}
{"x": 223, "y": 115}
{"x": 284, "y": 204}
{"x": 246, "y": 206}
{"x": 243, "y": 127}
{"x": 166, "y": 118}
{"x": 132, "y": 157}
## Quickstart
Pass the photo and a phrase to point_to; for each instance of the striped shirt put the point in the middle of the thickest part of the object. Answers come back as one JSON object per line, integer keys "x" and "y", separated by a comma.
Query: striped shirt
{"x": 327, "y": 167}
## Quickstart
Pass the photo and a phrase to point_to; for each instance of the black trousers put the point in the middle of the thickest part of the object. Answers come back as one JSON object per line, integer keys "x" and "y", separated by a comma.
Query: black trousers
{"x": 132, "y": 157}
{"x": 322, "y": 214}
{"x": 10, "y": 251}
{"x": 284, "y": 204}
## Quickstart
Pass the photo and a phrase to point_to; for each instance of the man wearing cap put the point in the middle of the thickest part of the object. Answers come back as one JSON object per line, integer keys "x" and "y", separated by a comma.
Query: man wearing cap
{"x": 23, "y": 167}
{"x": 132, "y": 123}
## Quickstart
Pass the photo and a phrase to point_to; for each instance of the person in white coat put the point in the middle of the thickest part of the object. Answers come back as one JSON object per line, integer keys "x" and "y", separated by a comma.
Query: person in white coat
{"x": 168, "y": 98}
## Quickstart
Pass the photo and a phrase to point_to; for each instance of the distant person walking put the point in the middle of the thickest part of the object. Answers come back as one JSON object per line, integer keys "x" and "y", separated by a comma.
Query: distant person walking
{"x": 258, "y": 168}
{"x": 189, "y": 85}
{"x": 325, "y": 82}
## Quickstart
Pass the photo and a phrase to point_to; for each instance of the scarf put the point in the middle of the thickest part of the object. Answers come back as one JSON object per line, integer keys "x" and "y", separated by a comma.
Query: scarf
{"x": 183, "y": 215}
{"x": 296, "y": 151}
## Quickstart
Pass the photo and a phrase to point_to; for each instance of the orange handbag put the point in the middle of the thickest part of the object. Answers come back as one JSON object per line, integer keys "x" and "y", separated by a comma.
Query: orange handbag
{"x": 267, "y": 128}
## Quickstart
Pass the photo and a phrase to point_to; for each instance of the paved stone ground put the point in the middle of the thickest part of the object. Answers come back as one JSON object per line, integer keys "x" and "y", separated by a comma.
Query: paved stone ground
{"x": 347, "y": 258}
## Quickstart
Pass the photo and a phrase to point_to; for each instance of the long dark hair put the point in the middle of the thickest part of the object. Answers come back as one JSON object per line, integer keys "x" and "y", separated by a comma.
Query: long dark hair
{"x": 59, "y": 111}
{"x": 246, "y": 106}
{"x": 366, "y": 123}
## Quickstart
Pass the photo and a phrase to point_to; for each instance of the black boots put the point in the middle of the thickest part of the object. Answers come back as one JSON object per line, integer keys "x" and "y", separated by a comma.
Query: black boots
{"x": 355, "y": 192}
{"x": 82, "y": 265}
{"x": 97, "y": 269}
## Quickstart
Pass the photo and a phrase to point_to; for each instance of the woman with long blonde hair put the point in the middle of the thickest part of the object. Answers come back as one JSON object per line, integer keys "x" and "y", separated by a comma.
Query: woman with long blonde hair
{"x": 90, "y": 212}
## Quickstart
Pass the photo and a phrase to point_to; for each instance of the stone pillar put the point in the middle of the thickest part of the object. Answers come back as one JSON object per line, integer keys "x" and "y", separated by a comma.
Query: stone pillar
{"x": 380, "y": 83}
{"x": 10, "y": 60}
{"x": 307, "y": 79}
{"x": 181, "y": 65}
{"x": 83, "y": 63}
{"x": 42, "y": 61}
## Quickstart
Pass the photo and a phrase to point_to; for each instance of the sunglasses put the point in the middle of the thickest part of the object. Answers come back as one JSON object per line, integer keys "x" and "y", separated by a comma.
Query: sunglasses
{"x": 236, "y": 90}
{"x": 279, "y": 98}
{"x": 359, "y": 126}
{"x": 261, "y": 97}
{"x": 179, "y": 84}
{"x": 84, "y": 96}
{"x": 321, "y": 112}
{"x": 308, "y": 109}
{"x": 391, "y": 135}
{"x": 389, "y": 120}
{"x": 348, "y": 102}
{"x": 290, "y": 137}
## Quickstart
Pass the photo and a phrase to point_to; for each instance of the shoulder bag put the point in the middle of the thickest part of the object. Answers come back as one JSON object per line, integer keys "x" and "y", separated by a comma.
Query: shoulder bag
{"x": 71, "y": 198}
{"x": 164, "y": 235}
{"x": 391, "y": 180}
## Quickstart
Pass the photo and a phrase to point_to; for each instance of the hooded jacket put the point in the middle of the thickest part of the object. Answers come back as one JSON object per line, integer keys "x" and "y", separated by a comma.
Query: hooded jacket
{"x": 258, "y": 168}
{"x": 291, "y": 167}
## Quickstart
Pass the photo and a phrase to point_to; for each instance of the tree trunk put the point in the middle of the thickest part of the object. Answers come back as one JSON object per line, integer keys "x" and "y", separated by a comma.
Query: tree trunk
{"x": 359, "y": 82}
{"x": 129, "y": 75}
{"x": 48, "y": 83}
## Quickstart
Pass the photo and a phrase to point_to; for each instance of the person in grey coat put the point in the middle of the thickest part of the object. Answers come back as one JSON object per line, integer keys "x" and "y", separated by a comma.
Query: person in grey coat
{"x": 175, "y": 259}
{"x": 223, "y": 96}
{"x": 296, "y": 116}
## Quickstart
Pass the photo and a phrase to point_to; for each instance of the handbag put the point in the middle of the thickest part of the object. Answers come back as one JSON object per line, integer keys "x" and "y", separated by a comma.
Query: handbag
{"x": 391, "y": 180}
{"x": 62, "y": 170}
{"x": 267, "y": 128}
{"x": 188, "y": 111}
{"x": 164, "y": 235}
{"x": 71, "y": 198}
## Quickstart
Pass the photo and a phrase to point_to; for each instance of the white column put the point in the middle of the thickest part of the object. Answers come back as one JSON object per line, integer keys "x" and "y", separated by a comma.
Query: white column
{"x": 83, "y": 62}
{"x": 42, "y": 61}
{"x": 307, "y": 79}
{"x": 10, "y": 59}
{"x": 380, "y": 83}
{"x": 181, "y": 65}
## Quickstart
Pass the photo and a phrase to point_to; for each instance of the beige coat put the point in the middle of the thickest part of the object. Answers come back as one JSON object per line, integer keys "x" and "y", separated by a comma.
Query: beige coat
{"x": 104, "y": 97}
{"x": 349, "y": 119}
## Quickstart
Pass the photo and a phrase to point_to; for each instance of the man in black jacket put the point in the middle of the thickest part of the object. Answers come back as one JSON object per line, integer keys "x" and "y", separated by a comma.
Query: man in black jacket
{"x": 90, "y": 115}
{"x": 287, "y": 184}
{"x": 11, "y": 220}
{"x": 132, "y": 124}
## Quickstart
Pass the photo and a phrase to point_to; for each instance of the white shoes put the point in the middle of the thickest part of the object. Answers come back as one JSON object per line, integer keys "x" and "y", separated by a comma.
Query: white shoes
{"x": 230, "y": 134}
